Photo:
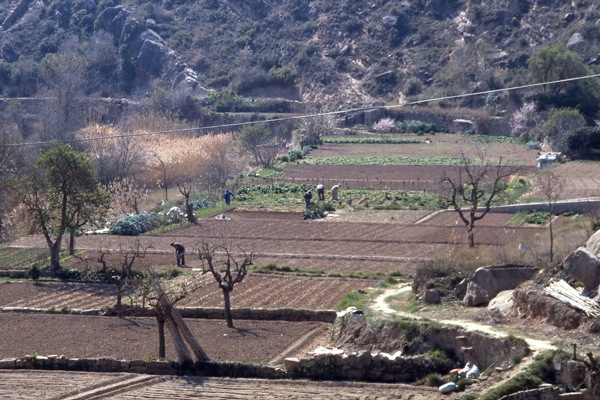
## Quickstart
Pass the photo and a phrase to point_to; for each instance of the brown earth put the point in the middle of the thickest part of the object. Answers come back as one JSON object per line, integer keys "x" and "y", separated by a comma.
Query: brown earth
{"x": 136, "y": 338}
{"x": 37, "y": 385}
{"x": 373, "y": 177}
{"x": 255, "y": 291}
{"x": 325, "y": 245}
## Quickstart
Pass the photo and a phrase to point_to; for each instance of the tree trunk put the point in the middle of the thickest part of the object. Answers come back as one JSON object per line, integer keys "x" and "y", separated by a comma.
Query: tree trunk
{"x": 55, "y": 256}
{"x": 471, "y": 236}
{"x": 551, "y": 240}
{"x": 183, "y": 354}
{"x": 172, "y": 316}
{"x": 72, "y": 243}
{"x": 189, "y": 210}
{"x": 161, "y": 336}
{"x": 228, "y": 316}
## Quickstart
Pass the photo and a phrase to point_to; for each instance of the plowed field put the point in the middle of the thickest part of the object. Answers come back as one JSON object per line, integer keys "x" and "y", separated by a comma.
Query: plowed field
{"x": 325, "y": 245}
{"x": 37, "y": 385}
{"x": 256, "y": 290}
{"x": 135, "y": 338}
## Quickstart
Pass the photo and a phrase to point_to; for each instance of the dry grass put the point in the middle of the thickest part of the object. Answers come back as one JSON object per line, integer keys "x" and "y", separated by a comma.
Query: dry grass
{"x": 172, "y": 157}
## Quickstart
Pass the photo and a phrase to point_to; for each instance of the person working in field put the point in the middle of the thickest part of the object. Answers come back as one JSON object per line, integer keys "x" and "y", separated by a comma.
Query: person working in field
{"x": 227, "y": 196}
{"x": 307, "y": 198}
{"x": 335, "y": 192}
{"x": 321, "y": 191}
{"x": 180, "y": 253}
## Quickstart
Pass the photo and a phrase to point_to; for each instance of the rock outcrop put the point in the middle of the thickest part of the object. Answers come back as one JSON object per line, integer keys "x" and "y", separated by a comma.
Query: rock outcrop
{"x": 584, "y": 263}
{"x": 487, "y": 282}
{"x": 148, "y": 52}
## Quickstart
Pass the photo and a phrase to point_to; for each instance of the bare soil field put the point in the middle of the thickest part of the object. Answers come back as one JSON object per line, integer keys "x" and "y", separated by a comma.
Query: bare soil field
{"x": 136, "y": 338}
{"x": 255, "y": 291}
{"x": 364, "y": 246}
{"x": 373, "y": 177}
{"x": 36, "y": 385}
{"x": 583, "y": 179}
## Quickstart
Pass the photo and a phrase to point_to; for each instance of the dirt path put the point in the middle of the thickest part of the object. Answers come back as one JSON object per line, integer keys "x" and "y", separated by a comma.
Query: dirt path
{"x": 380, "y": 305}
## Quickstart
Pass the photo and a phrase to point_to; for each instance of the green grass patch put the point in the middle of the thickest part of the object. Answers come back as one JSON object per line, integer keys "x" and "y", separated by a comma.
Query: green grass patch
{"x": 397, "y": 160}
{"x": 539, "y": 371}
{"x": 370, "y": 140}
{"x": 537, "y": 217}
{"x": 272, "y": 268}
{"x": 352, "y": 299}
{"x": 517, "y": 220}
{"x": 18, "y": 257}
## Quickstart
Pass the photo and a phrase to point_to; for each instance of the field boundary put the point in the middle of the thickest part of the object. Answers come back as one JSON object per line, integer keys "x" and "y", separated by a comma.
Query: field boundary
{"x": 267, "y": 314}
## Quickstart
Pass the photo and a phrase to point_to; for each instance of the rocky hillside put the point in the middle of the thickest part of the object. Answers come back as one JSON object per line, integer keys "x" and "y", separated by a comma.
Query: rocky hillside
{"x": 347, "y": 52}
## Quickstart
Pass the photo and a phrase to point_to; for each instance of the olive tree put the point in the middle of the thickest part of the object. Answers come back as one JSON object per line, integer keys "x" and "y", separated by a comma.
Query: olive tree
{"x": 60, "y": 193}
{"x": 473, "y": 190}
{"x": 560, "y": 124}
{"x": 556, "y": 64}
{"x": 261, "y": 143}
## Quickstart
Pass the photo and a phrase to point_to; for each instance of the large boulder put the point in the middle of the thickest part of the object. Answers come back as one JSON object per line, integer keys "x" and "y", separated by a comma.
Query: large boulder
{"x": 475, "y": 295}
{"x": 584, "y": 263}
{"x": 497, "y": 278}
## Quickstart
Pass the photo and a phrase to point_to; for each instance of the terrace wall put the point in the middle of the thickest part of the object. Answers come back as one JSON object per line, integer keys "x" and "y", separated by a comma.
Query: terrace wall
{"x": 452, "y": 121}
{"x": 576, "y": 206}
{"x": 357, "y": 366}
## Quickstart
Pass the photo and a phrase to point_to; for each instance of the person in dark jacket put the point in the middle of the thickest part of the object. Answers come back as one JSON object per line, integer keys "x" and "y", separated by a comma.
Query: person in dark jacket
{"x": 307, "y": 198}
{"x": 227, "y": 196}
{"x": 180, "y": 253}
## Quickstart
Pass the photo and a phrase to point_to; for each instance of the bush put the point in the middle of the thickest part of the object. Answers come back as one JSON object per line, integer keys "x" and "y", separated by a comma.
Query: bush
{"x": 537, "y": 217}
{"x": 581, "y": 141}
{"x": 318, "y": 210}
{"x": 135, "y": 224}
{"x": 201, "y": 203}
{"x": 417, "y": 127}
{"x": 34, "y": 273}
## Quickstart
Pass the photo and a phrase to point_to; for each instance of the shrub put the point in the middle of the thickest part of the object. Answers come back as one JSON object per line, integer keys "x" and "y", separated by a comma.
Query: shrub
{"x": 417, "y": 127}
{"x": 317, "y": 210}
{"x": 201, "y": 203}
{"x": 34, "y": 273}
{"x": 412, "y": 87}
{"x": 439, "y": 359}
{"x": 581, "y": 141}
{"x": 537, "y": 217}
{"x": 135, "y": 224}
{"x": 433, "y": 380}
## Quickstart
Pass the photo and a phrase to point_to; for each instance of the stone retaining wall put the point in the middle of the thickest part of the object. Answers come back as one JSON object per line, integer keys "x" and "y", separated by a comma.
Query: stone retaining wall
{"x": 279, "y": 314}
{"x": 361, "y": 366}
{"x": 577, "y": 206}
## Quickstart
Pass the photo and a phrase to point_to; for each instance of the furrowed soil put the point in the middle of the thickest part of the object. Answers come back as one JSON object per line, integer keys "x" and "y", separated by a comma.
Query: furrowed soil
{"x": 63, "y": 385}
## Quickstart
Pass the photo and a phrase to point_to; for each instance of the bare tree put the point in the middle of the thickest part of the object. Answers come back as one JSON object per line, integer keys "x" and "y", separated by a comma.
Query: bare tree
{"x": 63, "y": 74}
{"x": 473, "y": 191}
{"x": 226, "y": 269}
{"x": 189, "y": 209}
{"x": 552, "y": 186}
{"x": 162, "y": 167}
{"x": 9, "y": 165}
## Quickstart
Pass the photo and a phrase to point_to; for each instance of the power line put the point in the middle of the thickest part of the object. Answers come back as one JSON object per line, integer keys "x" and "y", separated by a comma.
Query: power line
{"x": 297, "y": 117}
